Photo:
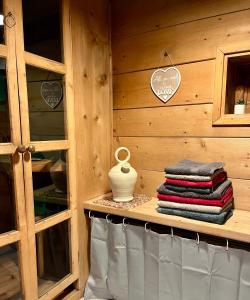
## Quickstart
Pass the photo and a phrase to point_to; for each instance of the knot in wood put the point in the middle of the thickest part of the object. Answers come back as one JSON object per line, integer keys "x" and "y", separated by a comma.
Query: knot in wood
{"x": 103, "y": 79}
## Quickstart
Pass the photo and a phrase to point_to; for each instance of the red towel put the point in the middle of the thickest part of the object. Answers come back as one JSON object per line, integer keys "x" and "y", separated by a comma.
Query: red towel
{"x": 216, "y": 202}
{"x": 212, "y": 183}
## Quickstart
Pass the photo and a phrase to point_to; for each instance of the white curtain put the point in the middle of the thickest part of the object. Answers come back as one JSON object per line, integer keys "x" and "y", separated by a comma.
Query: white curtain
{"x": 131, "y": 263}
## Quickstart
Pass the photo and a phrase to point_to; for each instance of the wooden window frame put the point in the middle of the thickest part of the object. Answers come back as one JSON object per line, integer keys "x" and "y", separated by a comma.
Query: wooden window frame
{"x": 220, "y": 118}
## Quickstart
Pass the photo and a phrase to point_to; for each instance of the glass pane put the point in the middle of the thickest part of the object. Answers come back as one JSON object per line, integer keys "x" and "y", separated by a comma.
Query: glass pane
{"x": 10, "y": 283}
{"x": 49, "y": 172}
{"x": 46, "y": 104}
{"x": 53, "y": 263}
{"x": 7, "y": 197}
{"x": 4, "y": 107}
{"x": 2, "y": 39}
{"x": 42, "y": 28}
{"x": 238, "y": 85}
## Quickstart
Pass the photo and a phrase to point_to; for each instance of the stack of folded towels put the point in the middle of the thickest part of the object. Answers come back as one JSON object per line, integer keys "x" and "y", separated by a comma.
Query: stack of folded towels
{"x": 195, "y": 190}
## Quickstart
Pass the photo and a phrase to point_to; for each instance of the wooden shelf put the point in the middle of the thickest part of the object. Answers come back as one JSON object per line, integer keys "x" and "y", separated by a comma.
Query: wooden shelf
{"x": 236, "y": 228}
{"x": 42, "y": 165}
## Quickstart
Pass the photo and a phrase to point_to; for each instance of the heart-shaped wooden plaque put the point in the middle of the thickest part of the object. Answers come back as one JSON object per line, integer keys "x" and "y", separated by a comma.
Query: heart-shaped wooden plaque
{"x": 52, "y": 93}
{"x": 165, "y": 83}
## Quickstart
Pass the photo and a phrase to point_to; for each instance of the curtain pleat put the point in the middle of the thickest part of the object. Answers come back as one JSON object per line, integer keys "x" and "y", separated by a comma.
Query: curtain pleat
{"x": 135, "y": 261}
{"x": 96, "y": 287}
{"x": 129, "y": 263}
{"x": 117, "y": 262}
{"x": 170, "y": 267}
{"x": 151, "y": 265}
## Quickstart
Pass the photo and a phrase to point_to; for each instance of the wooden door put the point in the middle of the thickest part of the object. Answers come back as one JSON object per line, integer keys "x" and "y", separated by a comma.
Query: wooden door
{"x": 14, "y": 274}
{"x": 44, "y": 72}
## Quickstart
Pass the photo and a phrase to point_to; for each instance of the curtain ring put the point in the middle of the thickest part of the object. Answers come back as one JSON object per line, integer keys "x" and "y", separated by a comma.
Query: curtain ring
{"x": 91, "y": 217}
{"x": 227, "y": 245}
{"x": 124, "y": 225}
{"x": 197, "y": 239}
{"x": 172, "y": 232}
{"x": 107, "y": 219}
{"x": 145, "y": 227}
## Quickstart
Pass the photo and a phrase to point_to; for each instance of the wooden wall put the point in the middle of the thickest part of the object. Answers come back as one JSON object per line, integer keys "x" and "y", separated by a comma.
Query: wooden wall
{"x": 93, "y": 107}
{"x": 160, "y": 134}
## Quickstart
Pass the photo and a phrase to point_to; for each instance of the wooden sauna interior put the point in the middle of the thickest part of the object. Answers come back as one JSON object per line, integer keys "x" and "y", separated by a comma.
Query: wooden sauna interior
{"x": 111, "y": 48}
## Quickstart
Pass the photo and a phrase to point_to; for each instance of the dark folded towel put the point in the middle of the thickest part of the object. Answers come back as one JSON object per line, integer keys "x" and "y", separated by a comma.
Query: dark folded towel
{"x": 189, "y": 167}
{"x": 216, "y": 194}
{"x": 211, "y": 218}
{"x": 182, "y": 189}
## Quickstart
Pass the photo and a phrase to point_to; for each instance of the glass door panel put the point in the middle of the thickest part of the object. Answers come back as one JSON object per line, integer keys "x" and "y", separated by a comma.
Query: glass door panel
{"x": 4, "y": 104}
{"x": 53, "y": 256}
{"x": 42, "y": 28}
{"x": 50, "y": 187}
{"x": 7, "y": 195}
{"x": 10, "y": 279}
{"x": 46, "y": 104}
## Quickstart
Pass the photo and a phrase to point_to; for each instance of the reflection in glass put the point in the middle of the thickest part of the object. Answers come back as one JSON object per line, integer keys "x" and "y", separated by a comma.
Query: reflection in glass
{"x": 10, "y": 284}
{"x": 42, "y": 28}
{"x": 4, "y": 108}
{"x": 46, "y": 104}
{"x": 49, "y": 171}
{"x": 52, "y": 248}
{"x": 7, "y": 197}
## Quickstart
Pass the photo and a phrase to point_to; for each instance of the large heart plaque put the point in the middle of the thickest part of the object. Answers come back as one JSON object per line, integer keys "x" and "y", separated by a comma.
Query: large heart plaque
{"x": 52, "y": 93}
{"x": 165, "y": 83}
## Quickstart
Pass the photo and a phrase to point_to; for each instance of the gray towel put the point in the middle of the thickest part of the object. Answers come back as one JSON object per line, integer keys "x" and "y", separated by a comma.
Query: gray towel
{"x": 189, "y": 167}
{"x": 216, "y": 194}
{"x": 211, "y": 218}
{"x": 194, "y": 177}
{"x": 196, "y": 207}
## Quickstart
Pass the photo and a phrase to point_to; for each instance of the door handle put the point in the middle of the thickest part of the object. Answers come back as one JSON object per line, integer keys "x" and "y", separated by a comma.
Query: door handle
{"x": 31, "y": 149}
{"x": 21, "y": 149}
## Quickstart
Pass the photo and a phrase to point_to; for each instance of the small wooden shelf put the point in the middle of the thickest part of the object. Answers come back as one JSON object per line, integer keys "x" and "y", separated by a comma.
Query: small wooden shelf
{"x": 236, "y": 228}
{"x": 232, "y": 84}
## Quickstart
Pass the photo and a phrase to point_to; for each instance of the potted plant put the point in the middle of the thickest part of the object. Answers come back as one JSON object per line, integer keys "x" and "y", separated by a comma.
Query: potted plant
{"x": 240, "y": 107}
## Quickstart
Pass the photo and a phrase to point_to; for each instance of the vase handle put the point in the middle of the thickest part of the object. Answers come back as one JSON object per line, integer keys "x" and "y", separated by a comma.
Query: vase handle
{"x": 117, "y": 154}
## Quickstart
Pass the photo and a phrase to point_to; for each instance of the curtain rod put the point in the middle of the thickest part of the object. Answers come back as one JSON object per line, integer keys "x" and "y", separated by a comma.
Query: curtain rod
{"x": 173, "y": 231}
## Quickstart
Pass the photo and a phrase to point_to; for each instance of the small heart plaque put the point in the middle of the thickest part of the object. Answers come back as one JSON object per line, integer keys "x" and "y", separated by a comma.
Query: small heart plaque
{"x": 165, "y": 83}
{"x": 52, "y": 93}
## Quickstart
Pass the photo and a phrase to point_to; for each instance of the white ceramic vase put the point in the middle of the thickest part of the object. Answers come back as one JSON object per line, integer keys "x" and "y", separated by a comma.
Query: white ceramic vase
{"x": 239, "y": 109}
{"x": 122, "y": 178}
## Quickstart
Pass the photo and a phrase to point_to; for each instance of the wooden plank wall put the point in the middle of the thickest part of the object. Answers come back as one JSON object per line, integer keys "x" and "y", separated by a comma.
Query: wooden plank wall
{"x": 158, "y": 134}
{"x": 93, "y": 108}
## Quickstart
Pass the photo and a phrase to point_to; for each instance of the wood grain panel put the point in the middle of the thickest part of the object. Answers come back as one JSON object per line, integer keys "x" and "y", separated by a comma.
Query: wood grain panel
{"x": 155, "y": 153}
{"x": 185, "y": 43}
{"x": 133, "y": 90}
{"x": 127, "y": 15}
{"x": 148, "y": 181}
{"x": 93, "y": 107}
{"x": 187, "y": 120}
{"x": 93, "y": 103}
